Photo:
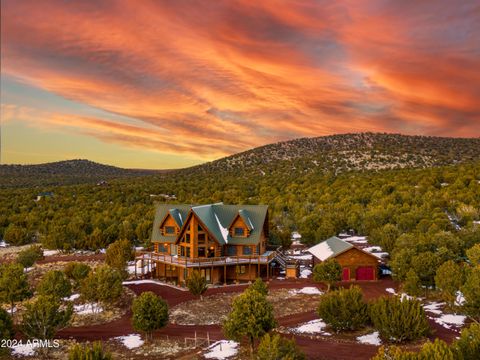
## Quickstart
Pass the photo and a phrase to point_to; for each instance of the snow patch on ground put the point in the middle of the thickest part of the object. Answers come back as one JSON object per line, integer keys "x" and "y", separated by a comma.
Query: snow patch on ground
{"x": 390, "y": 290}
{"x": 222, "y": 349}
{"x": 308, "y": 290}
{"x": 312, "y": 327}
{"x": 373, "y": 249}
{"x": 50, "y": 252}
{"x": 433, "y": 307}
{"x": 449, "y": 320}
{"x": 381, "y": 255}
{"x": 159, "y": 283}
{"x": 356, "y": 239}
{"x": 73, "y": 297}
{"x": 87, "y": 309}
{"x": 26, "y": 349}
{"x": 372, "y": 339}
{"x": 26, "y": 270}
{"x": 131, "y": 341}
{"x": 305, "y": 273}
{"x": 3, "y": 244}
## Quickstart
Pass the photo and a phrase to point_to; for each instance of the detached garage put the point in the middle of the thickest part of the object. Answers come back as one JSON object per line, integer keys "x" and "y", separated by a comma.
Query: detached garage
{"x": 357, "y": 265}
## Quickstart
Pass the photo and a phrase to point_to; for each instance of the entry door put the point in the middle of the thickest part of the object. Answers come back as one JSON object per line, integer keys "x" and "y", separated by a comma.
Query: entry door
{"x": 346, "y": 274}
{"x": 206, "y": 273}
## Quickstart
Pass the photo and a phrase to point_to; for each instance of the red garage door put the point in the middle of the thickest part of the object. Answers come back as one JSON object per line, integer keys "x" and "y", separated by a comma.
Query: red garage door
{"x": 365, "y": 273}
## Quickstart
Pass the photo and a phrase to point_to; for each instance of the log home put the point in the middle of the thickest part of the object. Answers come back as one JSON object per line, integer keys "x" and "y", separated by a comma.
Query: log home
{"x": 357, "y": 265}
{"x": 224, "y": 242}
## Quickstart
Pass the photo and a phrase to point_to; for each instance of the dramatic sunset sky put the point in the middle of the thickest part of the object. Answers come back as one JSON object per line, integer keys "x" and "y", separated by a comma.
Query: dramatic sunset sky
{"x": 166, "y": 84}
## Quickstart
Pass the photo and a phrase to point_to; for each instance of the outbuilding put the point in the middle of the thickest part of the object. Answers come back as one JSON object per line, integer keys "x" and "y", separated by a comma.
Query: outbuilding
{"x": 357, "y": 265}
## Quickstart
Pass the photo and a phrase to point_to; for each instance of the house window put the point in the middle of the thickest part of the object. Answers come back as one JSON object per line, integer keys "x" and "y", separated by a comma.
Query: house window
{"x": 201, "y": 238}
{"x": 162, "y": 248}
{"x": 232, "y": 250}
{"x": 199, "y": 228}
{"x": 238, "y": 231}
{"x": 241, "y": 269}
{"x": 188, "y": 252}
{"x": 247, "y": 250}
{"x": 201, "y": 252}
{"x": 187, "y": 238}
{"x": 170, "y": 230}
{"x": 182, "y": 251}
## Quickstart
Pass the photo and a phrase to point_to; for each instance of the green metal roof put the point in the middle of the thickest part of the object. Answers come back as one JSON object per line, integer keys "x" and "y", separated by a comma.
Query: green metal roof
{"x": 217, "y": 218}
{"x": 329, "y": 248}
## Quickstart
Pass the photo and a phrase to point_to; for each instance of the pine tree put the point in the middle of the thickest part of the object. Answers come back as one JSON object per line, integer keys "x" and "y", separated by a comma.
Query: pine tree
{"x": 13, "y": 284}
{"x": 55, "y": 283}
{"x": 276, "y": 347}
{"x": 473, "y": 255}
{"x": 394, "y": 353}
{"x": 87, "y": 352}
{"x": 197, "y": 284}
{"x": 412, "y": 285}
{"x": 467, "y": 347}
{"x": 449, "y": 279}
{"x": 150, "y": 313}
{"x": 6, "y": 329}
{"x": 399, "y": 320}
{"x": 438, "y": 350}
{"x": 44, "y": 317}
{"x": 328, "y": 272}
{"x": 259, "y": 286}
{"x": 77, "y": 271}
{"x": 344, "y": 309}
{"x": 103, "y": 285}
{"x": 251, "y": 317}
{"x": 118, "y": 254}
{"x": 471, "y": 292}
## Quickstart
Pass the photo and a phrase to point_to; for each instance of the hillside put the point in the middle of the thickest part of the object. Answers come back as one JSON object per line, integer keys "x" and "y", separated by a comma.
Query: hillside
{"x": 350, "y": 152}
{"x": 63, "y": 173}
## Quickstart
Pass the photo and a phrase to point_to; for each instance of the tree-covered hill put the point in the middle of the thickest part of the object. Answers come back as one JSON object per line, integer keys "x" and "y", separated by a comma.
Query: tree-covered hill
{"x": 63, "y": 173}
{"x": 349, "y": 152}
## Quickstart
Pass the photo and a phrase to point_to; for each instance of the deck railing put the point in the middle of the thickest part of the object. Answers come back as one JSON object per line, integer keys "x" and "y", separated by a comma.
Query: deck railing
{"x": 201, "y": 262}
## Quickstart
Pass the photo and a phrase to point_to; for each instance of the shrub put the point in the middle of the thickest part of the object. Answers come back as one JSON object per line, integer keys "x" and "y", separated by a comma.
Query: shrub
{"x": 196, "y": 283}
{"x": 259, "y": 286}
{"x": 276, "y": 347}
{"x": 328, "y": 272}
{"x": 13, "y": 284}
{"x": 344, "y": 309}
{"x": 86, "y": 352}
{"x": 471, "y": 292}
{"x": 56, "y": 284}
{"x": 399, "y": 320}
{"x": 76, "y": 272}
{"x": 394, "y": 353}
{"x": 29, "y": 256}
{"x": 150, "y": 313}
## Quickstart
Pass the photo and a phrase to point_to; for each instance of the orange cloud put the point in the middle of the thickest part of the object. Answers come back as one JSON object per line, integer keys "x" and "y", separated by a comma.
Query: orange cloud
{"x": 214, "y": 78}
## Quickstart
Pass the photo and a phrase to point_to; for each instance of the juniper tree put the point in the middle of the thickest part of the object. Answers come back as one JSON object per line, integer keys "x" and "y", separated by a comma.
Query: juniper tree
{"x": 197, "y": 284}
{"x": 29, "y": 256}
{"x": 399, "y": 320}
{"x": 55, "y": 283}
{"x": 103, "y": 285}
{"x": 251, "y": 317}
{"x": 13, "y": 284}
{"x": 471, "y": 292}
{"x": 77, "y": 271}
{"x": 449, "y": 279}
{"x": 118, "y": 254}
{"x": 467, "y": 346}
{"x": 344, "y": 309}
{"x": 44, "y": 317}
{"x": 473, "y": 255}
{"x": 150, "y": 313}
{"x": 412, "y": 284}
{"x": 328, "y": 272}
{"x": 6, "y": 328}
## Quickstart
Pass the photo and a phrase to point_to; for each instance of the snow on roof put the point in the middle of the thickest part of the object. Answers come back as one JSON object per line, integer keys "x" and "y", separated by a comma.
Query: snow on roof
{"x": 223, "y": 230}
{"x": 329, "y": 248}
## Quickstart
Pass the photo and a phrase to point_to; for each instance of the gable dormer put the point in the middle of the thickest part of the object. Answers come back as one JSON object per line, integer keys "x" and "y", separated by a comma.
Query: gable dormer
{"x": 241, "y": 225}
{"x": 171, "y": 224}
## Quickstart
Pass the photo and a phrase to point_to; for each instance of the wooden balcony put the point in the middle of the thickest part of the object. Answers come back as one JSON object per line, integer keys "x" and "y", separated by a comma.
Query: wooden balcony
{"x": 176, "y": 260}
